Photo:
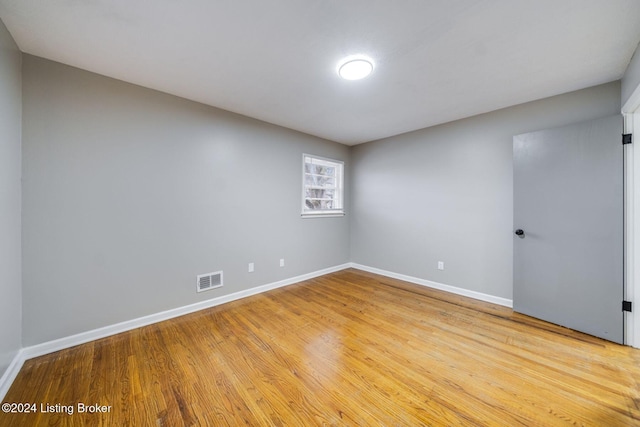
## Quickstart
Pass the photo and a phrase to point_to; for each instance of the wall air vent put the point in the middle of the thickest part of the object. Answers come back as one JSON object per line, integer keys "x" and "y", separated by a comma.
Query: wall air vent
{"x": 206, "y": 282}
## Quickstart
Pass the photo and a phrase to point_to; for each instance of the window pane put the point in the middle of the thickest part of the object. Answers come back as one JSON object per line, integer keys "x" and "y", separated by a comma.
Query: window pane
{"x": 319, "y": 180}
{"x": 319, "y": 169}
{"x": 326, "y": 204}
{"x": 313, "y": 204}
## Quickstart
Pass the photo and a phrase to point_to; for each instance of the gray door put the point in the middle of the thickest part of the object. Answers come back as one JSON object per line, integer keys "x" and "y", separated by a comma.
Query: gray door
{"x": 568, "y": 202}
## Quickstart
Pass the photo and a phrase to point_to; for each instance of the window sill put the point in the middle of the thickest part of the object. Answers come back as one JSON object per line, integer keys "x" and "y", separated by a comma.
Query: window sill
{"x": 322, "y": 215}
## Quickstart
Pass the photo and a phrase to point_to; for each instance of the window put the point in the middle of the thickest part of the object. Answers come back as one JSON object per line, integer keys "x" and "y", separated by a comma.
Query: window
{"x": 322, "y": 187}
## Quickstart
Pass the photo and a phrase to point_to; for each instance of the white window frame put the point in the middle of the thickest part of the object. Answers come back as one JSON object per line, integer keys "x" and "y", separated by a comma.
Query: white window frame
{"x": 338, "y": 199}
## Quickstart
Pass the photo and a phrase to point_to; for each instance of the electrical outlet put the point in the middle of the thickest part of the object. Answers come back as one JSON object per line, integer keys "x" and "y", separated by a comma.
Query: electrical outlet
{"x": 251, "y": 267}
{"x": 440, "y": 265}
{"x": 281, "y": 262}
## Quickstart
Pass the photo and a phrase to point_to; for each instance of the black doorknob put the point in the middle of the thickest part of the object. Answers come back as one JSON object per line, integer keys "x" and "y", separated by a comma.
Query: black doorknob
{"x": 519, "y": 232}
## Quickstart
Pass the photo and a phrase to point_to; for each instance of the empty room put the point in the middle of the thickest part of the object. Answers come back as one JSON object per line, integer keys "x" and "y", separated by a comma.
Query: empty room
{"x": 359, "y": 213}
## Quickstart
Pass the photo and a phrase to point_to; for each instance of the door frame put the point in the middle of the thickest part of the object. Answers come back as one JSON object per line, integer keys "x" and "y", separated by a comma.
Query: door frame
{"x": 631, "y": 114}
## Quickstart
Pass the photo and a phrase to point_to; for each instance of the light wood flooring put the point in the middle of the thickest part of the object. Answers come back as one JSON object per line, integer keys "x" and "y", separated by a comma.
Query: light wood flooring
{"x": 350, "y": 348}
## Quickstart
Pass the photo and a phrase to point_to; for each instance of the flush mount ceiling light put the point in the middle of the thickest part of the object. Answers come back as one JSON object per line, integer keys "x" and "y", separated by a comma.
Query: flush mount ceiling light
{"x": 355, "y": 68}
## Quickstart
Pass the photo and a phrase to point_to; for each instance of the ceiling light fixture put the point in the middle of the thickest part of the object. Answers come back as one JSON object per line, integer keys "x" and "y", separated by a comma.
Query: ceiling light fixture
{"x": 355, "y": 68}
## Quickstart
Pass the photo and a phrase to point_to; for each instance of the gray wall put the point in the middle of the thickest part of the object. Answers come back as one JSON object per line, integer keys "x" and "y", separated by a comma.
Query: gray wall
{"x": 445, "y": 193}
{"x": 129, "y": 193}
{"x": 10, "y": 171}
{"x": 631, "y": 78}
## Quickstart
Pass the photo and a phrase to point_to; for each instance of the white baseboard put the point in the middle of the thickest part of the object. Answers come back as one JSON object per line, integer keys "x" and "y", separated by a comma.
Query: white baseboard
{"x": 11, "y": 373}
{"x": 84, "y": 337}
{"x": 435, "y": 285}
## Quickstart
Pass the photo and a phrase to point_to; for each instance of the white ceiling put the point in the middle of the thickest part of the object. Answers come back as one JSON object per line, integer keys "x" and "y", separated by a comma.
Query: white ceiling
{"x": 436, "y": 60}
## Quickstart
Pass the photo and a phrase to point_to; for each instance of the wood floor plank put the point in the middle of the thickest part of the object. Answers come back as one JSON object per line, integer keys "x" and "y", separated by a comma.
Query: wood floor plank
{"x": 348, "y": 348}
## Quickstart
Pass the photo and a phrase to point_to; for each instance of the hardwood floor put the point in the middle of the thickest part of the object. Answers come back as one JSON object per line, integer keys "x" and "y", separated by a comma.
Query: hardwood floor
{"x": 349, "y": 348}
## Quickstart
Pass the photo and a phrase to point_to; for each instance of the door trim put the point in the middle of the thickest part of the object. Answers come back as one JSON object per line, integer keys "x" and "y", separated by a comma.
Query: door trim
{"x": 631, "y": 113}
